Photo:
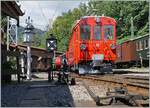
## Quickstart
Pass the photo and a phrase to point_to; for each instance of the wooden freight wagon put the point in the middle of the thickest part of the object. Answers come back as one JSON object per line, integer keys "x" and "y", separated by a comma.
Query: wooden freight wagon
{"x": 133, "y": 52}
{"x": 126, "y": 54}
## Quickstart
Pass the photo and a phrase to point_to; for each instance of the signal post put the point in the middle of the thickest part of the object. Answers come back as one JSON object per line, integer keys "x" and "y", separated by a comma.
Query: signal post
{"x": 51, "y": 46}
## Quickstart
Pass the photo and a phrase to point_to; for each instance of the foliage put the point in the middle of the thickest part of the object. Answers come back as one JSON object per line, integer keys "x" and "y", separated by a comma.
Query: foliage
{"x": 37, "y": 40}
{"x": 7, "y": 67}
{"x": 43, "y": 40}
{"x": 3, "y": 21}
{"x": 122, "y": 11}
{"x": 125, "y": 38}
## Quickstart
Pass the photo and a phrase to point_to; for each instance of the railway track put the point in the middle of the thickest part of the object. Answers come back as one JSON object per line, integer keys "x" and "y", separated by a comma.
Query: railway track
{"x": 134, "y": 86}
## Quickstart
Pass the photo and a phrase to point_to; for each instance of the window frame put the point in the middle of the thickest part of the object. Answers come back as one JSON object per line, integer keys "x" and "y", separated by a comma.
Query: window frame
{"x": 140, "y": 45}
{"x": 113, "y": 34}
{"x": 137, "y": 46}
{"x": 100, "y": 32}
{"x": 146, "y": 44}
{"x": 89, "y": 37}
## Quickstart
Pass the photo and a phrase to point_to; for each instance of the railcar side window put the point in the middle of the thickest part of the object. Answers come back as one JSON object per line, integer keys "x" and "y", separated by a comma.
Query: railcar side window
{"x": 108, "y": 32}
{"x": 140, "y": 45}
{"x": 97, "y": 32}
{"x": 146, "y": 44}
{"x": 85, "y": 32}
{"x": 137, "y": 46}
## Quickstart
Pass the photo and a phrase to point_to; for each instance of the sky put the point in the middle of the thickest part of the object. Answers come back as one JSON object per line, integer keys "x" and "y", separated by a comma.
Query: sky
{"x": 44, "y": 12}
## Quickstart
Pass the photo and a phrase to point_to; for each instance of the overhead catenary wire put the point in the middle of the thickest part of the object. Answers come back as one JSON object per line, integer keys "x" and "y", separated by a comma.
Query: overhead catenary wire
{"x": 66, "y": 5}
{"x": 48, "y": 20}
{"x": 43, "y": 13}
{"x": 54, "y": 14}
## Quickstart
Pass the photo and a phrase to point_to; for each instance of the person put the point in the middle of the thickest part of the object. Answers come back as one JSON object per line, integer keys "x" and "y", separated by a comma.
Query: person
{"x": 65, "y": 66}
{"x": 108, "y": 34}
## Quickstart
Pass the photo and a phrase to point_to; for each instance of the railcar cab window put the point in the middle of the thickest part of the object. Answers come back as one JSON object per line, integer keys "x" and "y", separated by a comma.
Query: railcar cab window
{"x": 85, "y": 32}
{"x": 97, "y": 33}
{"x": 108, "y": 32}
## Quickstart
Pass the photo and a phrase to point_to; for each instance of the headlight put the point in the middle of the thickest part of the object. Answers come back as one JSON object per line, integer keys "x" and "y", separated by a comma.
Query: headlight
{"x": 82, "y": 46}
{"x": 112, "y": 46}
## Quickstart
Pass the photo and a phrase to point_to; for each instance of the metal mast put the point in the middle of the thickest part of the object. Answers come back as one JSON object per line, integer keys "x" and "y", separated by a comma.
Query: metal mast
{"x": 28, "y": 33}
{"x": 132, "y": 28}
{"x": 12, "y": 32}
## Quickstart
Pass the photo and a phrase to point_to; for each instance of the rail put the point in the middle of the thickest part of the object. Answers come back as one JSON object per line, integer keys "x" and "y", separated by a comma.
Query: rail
{"x": 142, "y": 89}
{"x": 118, "y": 94}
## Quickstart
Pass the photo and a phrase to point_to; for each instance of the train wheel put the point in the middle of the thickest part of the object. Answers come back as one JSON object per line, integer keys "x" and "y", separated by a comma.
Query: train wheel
{"x": 107, "y": 69}
{"x": 84, "y": 69}
{"x": 95, "y": 71}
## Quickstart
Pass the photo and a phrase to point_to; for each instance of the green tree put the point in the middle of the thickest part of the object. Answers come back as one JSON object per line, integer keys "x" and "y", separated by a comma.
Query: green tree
{"x": 122, "y": 11}
{"x": 37, "y": 40}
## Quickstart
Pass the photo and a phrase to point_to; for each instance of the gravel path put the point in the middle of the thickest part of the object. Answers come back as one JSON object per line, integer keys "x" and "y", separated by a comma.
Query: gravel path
{"x": 81, "y": 96}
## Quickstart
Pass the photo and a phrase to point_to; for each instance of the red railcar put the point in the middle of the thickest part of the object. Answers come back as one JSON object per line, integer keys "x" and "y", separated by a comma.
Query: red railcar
{"x": 58, "y": 62}
{"x": 92, "y": 44}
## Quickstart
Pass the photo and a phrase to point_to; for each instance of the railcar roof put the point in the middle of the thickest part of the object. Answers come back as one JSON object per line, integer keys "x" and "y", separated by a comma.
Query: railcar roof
{"x": 96, "y": 16}
{"x": 77, "y": 21}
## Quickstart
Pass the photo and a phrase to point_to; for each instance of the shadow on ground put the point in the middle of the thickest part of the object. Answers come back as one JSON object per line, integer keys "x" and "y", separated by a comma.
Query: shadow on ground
{"x": 36, "y": 94}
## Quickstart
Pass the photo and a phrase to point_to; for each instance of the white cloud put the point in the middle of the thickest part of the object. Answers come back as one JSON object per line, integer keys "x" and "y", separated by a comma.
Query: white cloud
{"x": 43, "y": 11}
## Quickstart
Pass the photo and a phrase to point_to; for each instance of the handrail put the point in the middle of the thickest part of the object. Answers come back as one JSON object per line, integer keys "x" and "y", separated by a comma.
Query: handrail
{"x": 107, "y": 48}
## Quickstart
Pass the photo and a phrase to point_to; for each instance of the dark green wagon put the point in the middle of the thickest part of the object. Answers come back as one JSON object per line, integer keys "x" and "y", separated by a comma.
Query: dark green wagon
{"x": 133, "y": 52}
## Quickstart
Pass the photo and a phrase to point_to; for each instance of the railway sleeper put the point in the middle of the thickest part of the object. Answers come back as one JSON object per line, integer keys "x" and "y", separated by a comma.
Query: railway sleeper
{"x": 94, "y": 97}
{"x": 121, "y": 94}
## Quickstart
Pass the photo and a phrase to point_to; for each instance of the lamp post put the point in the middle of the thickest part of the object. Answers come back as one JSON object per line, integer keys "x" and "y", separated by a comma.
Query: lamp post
{"x": 51, "y": 46}
{"x": 28, "y": 33}
{"x": 22, "y": 63}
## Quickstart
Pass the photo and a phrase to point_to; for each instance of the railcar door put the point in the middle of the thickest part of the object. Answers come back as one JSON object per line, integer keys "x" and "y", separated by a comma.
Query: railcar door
{"x": 85, "y": 34}
{"x": 96, "y": 43}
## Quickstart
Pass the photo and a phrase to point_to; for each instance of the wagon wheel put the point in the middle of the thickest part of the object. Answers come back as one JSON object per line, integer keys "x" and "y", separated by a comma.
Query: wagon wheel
{"x": 111, "y": 101}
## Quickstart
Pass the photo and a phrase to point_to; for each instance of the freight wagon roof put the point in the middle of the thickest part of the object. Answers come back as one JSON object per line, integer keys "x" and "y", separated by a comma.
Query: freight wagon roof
{"x": 139, "y": 37}
{"x": 126, "y": 39}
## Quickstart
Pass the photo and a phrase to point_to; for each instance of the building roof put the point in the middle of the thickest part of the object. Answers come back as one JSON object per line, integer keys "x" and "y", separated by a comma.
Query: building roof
{"x": 12, "y": 9}
{"x": 35, "y": 51}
